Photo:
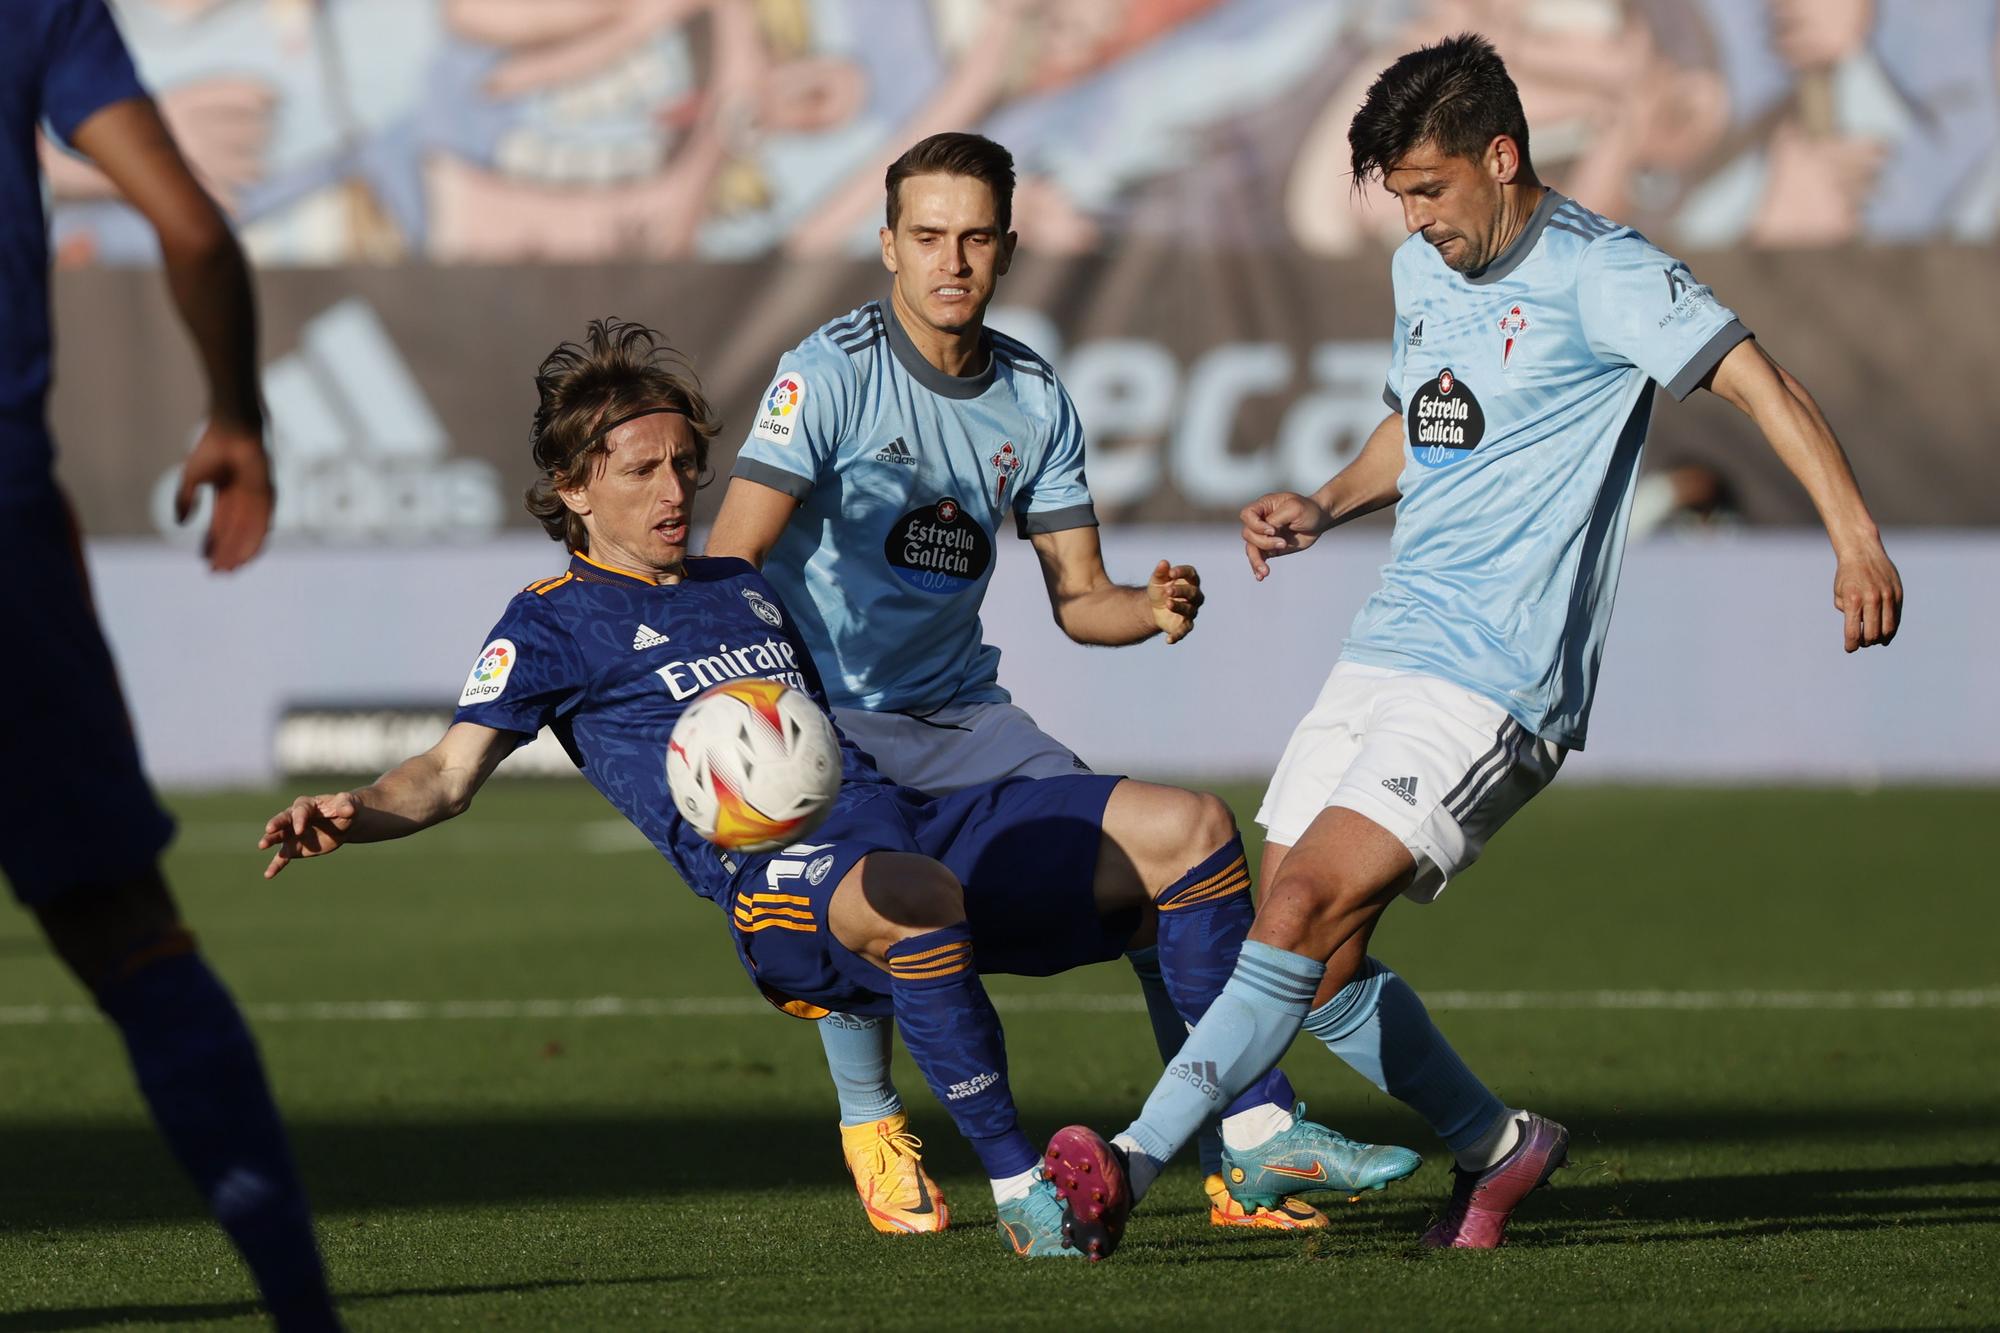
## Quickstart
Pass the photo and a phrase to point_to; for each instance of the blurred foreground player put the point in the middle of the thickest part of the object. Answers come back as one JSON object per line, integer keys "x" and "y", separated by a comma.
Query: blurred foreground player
{"x": 80, "y": 832}
{"x": 900, "y": 900}
{"x": 1530, "y": 334}
{"x": 891, "y": 450}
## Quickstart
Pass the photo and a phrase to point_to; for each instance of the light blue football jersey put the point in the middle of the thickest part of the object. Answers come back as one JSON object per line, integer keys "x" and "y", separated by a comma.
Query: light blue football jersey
{"x": 1526, "y": 392}
{"x": 904, "y": 475}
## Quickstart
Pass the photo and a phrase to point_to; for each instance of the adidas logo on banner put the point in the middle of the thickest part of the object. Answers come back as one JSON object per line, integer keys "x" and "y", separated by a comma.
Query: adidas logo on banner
{"x": 1403, "y": 787}
{"x": 647, "y": 637}
{"x": 359, "y": 454}
{"x": 895, "y": 451}
{"x": 1203, "y": 1076}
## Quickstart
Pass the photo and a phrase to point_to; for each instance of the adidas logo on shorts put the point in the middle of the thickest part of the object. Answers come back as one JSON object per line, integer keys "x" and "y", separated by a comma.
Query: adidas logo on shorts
{"x": 647, "y": 637}
{"x": 1403, "y": 787}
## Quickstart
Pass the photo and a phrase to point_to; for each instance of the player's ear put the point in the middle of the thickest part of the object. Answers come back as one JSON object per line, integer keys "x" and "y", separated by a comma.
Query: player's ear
{"x": 1006, "y": 253}
{"x": 888, "y": 249}
{"x": 1503, "y": 159}
{"x": 573, "y": 499}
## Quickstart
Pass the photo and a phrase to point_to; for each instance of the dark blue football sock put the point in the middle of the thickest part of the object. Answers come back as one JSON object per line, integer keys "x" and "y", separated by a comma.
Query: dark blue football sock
{"x": 1204, "y": 917}
{"x": 1170, "y": 1032}
{"x": 951, "y": 1031}
{"x": 199, "y": 1073}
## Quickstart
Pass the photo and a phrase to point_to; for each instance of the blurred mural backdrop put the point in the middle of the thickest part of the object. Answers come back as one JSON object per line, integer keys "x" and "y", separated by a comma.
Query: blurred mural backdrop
{"x": 437, "y": 191}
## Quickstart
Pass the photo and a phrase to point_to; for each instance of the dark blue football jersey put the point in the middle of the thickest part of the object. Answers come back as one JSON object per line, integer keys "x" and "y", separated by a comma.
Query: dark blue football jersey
{"x": 608, "y": 661}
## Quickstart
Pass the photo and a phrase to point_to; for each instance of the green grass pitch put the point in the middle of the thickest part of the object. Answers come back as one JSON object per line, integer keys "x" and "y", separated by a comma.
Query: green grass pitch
{"x": 1735, "y": 1167}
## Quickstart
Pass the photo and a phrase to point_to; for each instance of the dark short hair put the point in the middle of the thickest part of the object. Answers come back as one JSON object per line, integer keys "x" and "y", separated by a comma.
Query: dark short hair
{"x": 1456, "y": 95}
{"x": 955, "y": 154}
{"x": 619, "y": 369}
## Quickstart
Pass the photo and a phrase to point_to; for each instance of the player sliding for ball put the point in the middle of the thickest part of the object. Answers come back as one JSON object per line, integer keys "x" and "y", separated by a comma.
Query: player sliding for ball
{"x": 900, "y": 901}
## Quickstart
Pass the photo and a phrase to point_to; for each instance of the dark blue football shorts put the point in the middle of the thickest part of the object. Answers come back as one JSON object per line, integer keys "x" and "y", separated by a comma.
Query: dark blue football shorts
{"x": 75, "y": 809}
{"x": 1024, "y": 848}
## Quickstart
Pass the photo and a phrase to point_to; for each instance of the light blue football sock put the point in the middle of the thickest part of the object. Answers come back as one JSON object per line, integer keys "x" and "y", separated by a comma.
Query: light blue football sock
{"x": 1379, "y": 1026}
{"x": 1169, "y": 1033}
{"x": 857, "y": 1055}
{"x": 1242, "y": 1035}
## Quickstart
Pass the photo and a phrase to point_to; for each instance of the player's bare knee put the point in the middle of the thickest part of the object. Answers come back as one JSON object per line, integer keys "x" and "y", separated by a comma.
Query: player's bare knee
{"x": 1301, "y": 910}
{"x": 1193, "y": 827}
{"x": 913, "y": 903}
{"x": 891, "y": 896}
{"x": 1210, "y": 826}
{"x": 1154, "y": 835}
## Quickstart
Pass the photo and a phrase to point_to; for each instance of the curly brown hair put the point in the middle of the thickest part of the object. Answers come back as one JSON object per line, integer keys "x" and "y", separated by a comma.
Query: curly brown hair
{"x": 621, "y": 368}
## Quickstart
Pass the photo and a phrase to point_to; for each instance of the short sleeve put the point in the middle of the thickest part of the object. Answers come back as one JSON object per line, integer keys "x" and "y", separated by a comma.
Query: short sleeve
{"x": 1642, "y": 307}
{"x": 1056, "y": 496}
{"x": 85, "y": 66}
{"x": 528, "y": 675}
{"x": 802, "y": 420}
{"x": 1392, "y": 388}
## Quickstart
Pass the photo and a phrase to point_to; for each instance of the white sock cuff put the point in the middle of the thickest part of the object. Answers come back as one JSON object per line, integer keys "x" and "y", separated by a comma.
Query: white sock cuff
{"x": 1015, "y": 1187}
{"x": 1245, "y": 1130}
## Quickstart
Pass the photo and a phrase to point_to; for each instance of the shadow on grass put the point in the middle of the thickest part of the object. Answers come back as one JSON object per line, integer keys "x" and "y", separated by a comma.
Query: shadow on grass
{"x": 1593, "y": 1206}
{"x": 1589, "y": 1206}
{"x": 69, "y": 1175}
{"x": 50, "y": 1321}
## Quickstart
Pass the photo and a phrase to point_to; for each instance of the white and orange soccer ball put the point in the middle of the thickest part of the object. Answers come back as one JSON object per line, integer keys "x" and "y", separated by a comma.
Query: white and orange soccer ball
{"x": 753, "y": 765}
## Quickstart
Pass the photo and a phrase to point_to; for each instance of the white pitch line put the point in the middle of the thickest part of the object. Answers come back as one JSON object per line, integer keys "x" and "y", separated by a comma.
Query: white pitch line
{"x": 612, "y": 1006}
{"x": 599, "y": 837}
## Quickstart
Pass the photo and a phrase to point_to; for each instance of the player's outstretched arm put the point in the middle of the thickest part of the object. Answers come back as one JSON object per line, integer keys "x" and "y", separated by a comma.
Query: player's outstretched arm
{"x": 1867, "y": 590}
{"x": 1284, "y": 522}
{"x": 211, "y": 285}
{"x": 1092, "y": 609}
{"x": 423, "y": 790}
{"x": 753, "y": 517}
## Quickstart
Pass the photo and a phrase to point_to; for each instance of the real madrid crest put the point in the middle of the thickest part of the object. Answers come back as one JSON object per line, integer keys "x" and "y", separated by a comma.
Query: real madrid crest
{"x": 765, "y": 609}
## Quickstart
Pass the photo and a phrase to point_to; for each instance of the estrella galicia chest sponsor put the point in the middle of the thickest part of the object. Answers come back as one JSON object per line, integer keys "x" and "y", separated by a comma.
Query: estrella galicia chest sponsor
{"x": 938, "y": 548}
{"x": 1445, "y": 421}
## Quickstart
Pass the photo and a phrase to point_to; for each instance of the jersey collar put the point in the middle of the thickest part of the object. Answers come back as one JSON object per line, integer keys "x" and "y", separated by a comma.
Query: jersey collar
{"x": 1510, "y": 259}
{"x": 928, "y": 375}
{"x": 594, "y": 571}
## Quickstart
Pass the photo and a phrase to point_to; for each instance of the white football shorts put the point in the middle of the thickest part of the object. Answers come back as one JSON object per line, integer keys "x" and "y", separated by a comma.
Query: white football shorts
{"x": 960, "y": 745}
{"x": 1438, "y": 766}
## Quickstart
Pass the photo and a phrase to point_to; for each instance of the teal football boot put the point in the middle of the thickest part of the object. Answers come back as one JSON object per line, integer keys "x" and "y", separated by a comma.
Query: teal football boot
{"x": 1032, "y": 1226}
{"x": 1309, "y": 1158}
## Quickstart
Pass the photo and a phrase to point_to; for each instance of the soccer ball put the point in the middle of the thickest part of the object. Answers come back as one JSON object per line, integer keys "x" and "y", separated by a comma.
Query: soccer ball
{"x": 753, "y": 765}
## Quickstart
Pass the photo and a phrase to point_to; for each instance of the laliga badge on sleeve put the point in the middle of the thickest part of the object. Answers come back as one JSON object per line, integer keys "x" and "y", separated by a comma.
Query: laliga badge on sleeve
{"x": 778, "y": 417}
{"x": 489, "y": 673}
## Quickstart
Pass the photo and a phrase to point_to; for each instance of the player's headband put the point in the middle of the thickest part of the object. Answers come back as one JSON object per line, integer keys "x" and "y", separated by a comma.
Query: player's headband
{"x": 597, "y": 436}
